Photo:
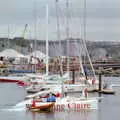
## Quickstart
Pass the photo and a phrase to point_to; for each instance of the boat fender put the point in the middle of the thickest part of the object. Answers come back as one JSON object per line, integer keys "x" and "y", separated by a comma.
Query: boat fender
{"x": 28, "y": 105}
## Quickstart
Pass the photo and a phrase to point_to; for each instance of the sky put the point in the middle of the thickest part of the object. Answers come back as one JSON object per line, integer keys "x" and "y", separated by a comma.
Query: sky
{"x": 102, "y": 19}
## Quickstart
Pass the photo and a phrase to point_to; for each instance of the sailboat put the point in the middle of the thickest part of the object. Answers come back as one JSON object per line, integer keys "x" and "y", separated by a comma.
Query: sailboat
{"x": 68, "y": 102}
{"x": 65, "y": 102}
{"x": 77, "y": 87}
{"x": 74, "y": 87}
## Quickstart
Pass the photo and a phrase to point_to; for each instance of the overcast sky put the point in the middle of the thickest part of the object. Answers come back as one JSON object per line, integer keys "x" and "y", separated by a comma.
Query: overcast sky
{"x": 103, "y": 18}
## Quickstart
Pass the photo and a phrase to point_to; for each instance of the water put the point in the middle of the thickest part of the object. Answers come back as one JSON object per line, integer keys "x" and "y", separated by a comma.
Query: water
{"x": 12, "y": 106}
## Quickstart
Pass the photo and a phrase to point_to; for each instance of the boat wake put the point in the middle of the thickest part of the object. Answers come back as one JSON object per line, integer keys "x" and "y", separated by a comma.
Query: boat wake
{"x": 115, "y": 85}
{"x": 11, "y": 109}
{"x": 18, "y": 107}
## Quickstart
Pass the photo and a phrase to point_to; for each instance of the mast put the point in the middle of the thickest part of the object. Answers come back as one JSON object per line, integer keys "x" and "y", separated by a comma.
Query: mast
{"x": 8, "y": 36}
{"x": 80, "y": 60}
{"x": 84, "y": 37}
{"x": 67, "y": 33}
{"x": 58, "y": 38}
{"x": 35, "y": 26}
{"x": 47, "y": 50}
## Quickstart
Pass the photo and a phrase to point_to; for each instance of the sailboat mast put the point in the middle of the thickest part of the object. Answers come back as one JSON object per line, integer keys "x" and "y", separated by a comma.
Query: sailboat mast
{"x": 47, "y": 50}
{"x": 35, "y": 27}
{"x": 58, "y": 36}
{"x": 84, "y": 37}
{"x": 8, "y": 36}
{"x": 67, "y": 33}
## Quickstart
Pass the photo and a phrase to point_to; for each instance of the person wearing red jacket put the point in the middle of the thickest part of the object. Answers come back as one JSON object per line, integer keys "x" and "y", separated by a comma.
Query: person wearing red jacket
{"x": 33, "y": 103}
{"x": 86, "y": 93}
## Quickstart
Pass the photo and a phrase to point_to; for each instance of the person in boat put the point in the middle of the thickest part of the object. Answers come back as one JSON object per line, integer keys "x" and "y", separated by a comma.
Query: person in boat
{"x": 65, "y": 94}
{"x": 93, "y": 81}
{"x": 58, "y": 94}
{"x": 51, "y": 98}
{"x": 86, "y": 92}
{"x": 105, "y": 85}
{"x": 43, "y": 98}
{"x": 33, "y": 102}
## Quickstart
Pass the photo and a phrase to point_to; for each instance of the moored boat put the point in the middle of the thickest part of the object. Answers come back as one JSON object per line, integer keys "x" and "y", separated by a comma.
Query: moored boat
{"x": 108, "y": 89}
{"x": 10, "y": 79}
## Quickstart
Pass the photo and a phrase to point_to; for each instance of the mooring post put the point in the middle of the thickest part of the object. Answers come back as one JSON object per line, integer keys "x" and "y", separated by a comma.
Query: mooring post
{"x": 73, "y": 76}
{"x": 100, "y": 83}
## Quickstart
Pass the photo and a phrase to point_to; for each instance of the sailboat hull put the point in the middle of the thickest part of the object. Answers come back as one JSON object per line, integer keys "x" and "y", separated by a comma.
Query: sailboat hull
{"x": 66, "y": 87}
{"x": 80, "y": 104}
{"x": 77, "y": 88}
{"x": 67, "y": 104}
{"x": 41, "y": 107}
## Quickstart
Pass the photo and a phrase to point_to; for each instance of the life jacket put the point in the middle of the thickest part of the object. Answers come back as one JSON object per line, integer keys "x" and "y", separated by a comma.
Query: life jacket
{"x": 33, "y": 103}
{"x": 51, "y": 99}
{"x": 58, "y": 95}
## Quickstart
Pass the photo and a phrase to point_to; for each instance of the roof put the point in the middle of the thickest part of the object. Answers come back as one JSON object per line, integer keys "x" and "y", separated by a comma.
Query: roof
{"x": 38, "y": 54}
{"x": 11, "y": 53}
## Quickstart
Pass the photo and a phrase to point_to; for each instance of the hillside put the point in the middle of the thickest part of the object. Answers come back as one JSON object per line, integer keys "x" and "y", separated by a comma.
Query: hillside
{"x": 96, "y": 49}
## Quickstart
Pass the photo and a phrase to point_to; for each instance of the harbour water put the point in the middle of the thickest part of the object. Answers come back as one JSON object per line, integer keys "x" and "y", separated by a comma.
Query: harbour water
{"x": 11, "y": 106}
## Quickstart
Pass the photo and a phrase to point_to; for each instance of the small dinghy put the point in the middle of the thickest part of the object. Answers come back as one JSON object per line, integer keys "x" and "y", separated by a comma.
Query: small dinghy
{"x": 108, "y": 90}
{"x": 40, "y": 107}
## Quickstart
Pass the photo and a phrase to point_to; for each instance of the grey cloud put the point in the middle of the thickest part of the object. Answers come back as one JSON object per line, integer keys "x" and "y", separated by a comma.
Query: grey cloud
{"x": 102, "y": 17}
